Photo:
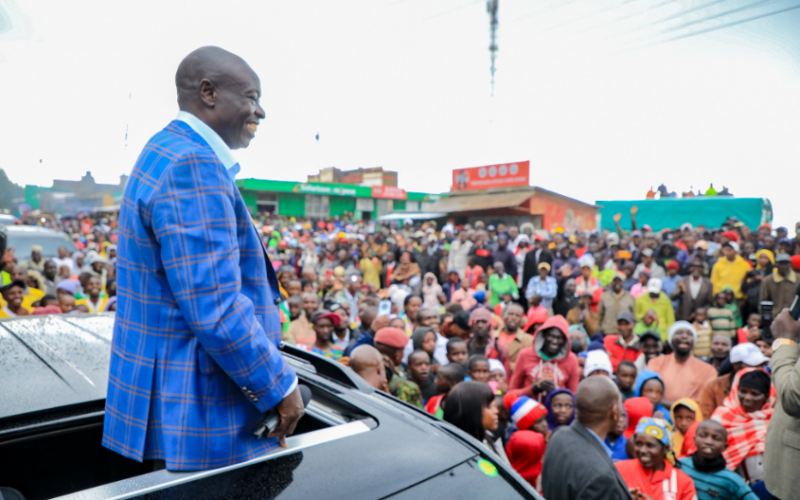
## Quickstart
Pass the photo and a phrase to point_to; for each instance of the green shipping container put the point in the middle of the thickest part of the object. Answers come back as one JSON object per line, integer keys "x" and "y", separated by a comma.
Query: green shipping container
{"x": 709, "y": 211}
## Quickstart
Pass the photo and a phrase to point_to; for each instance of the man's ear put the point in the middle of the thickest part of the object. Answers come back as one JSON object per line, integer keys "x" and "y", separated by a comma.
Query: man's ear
{"x": 208, "y": 92}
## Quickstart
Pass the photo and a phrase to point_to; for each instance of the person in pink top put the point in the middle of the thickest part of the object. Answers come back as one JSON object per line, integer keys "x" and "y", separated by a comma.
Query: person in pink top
{"x": 548, "y": 364}
{"x": 684, "y": 375}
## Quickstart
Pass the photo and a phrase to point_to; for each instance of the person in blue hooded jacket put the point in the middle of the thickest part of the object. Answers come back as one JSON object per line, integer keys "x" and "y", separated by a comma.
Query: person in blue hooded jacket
{"x": 650, "y": 385}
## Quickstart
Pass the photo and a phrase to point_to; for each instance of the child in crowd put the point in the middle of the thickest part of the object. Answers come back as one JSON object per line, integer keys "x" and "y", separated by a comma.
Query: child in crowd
{"x": 732, "y": 306}
{"x": 526, "y": 414}
{"x": 702, "y": 346}
{"x": 650, "y": 385}
{"x": 651, "y": 473}
{"x": 497, "y": 376}
{"x": 597, "y": 363}
{"x": 457, "y": 351}
{"x": 478, "y": 368}
{"x": 626, "y": 378}
{"x": 684, "y": 413}
{"x": 560, "y": 404}
{"x": 648, "y": 323}
{"x": 419, "y": 372}
{"x": 650, "y": 343}
{"x": 525, "y": 451}
{"x": 448, "y": 377}
{"x": 721, "y": 318}
{"x": 616, "y": 440}
{"x": 706, "y": 466}
{"x": 424, "y": 339}
{"x": 752, "y": 330}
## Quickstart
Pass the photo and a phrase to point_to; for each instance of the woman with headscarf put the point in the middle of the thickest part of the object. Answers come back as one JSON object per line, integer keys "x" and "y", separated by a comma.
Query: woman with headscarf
{"x": 652, "y": 471}
{"x": 560, "y": 404}
{"x": 424, "y": 339}
{"x": 684, "y": 412}
{"x": 431, "y": 289}
{"x": 745, "y": 414}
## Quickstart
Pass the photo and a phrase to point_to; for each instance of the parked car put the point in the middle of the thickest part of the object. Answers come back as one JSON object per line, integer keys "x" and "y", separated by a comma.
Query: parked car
{"x": 353, "y": 442}
{"x": 20, "y": 238}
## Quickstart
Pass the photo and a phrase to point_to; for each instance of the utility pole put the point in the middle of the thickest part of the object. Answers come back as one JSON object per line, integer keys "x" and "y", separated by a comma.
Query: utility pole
{"x": 491, "y": 8}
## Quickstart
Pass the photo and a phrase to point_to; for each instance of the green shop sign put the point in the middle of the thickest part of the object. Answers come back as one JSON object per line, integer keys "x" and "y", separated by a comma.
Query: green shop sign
{"x": 320, "y": 188}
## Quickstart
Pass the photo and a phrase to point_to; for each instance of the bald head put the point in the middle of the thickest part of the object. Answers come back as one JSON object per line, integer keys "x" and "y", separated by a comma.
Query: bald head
{"x": 368, "y": 363}
{"x": 596, "y": 400}
{"x": 220, "y": 89}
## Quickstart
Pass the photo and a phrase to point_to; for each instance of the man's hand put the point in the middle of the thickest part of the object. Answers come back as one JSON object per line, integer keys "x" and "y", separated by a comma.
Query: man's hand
{"x": 753, "y": 334}
{"x": 785, "y": 327}
{"x": 682, "y": 285}
{"x": 565, "y": 270}
{"x": 290, "y": 410}
{"x": 617, "y": 217}
{"x": 544, "y": 385}
{"x": 634, "y": 210}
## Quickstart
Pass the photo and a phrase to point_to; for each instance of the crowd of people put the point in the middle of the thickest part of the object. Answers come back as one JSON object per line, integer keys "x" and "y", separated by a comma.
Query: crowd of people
{"x": 493, "y": 327}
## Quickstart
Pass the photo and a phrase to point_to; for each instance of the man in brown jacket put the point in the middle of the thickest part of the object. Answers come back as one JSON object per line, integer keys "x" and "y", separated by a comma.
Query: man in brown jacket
{"x": 692, "y": 291}
{"x": 614, "y": 301}
{"x": 715, "y": 392}
{"x": 781, "y": 285}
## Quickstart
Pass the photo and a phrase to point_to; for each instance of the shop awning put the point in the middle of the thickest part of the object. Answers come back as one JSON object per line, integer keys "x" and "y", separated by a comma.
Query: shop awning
{"x": 412, "y": 216}
{"x": 471, "y": 203}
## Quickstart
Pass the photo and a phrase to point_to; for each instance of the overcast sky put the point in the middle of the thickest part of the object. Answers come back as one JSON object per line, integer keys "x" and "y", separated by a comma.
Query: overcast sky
{"x": 596, "y": 93}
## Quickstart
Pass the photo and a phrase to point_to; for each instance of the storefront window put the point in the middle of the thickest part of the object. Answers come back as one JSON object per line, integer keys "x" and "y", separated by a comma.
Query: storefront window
{"x": 317, "y": 206}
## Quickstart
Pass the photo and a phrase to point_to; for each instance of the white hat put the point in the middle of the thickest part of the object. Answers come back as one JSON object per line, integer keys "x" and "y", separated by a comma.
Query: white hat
{"x": 680, "y": 325}
{"x": 612, "y": 238}
{"x": 597, "y": 360}
{"x": 586, "y": 261}
{"x": 749, "y": 354}
{"x": 496, "y": 364}
{"x": 654, "y": 285}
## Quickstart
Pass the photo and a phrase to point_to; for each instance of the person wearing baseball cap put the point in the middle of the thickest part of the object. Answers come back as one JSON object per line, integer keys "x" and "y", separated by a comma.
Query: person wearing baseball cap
{"x": 648, "y": 263}
{"x": 658, "y": 301}
{"x": 624, "y": 345}
{"x": 780, "y": 286}
{"x": 684, "y": 375}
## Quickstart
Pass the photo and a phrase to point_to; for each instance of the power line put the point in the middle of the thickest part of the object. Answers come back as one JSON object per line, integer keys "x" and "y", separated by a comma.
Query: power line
{"x": 708, "y": 18}
{"x": 628, "y": 16}
{"x": 715, "y": 28}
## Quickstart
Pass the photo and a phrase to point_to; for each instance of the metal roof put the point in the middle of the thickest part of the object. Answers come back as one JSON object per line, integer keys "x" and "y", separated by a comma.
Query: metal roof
{"x": 469, "y": 203}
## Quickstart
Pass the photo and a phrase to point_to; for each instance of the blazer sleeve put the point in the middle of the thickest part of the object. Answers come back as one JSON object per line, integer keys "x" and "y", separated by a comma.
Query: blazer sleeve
{"x": 196, "y": 227}
{"x": 602, "y": 487}
{"x": 786, "y": 377}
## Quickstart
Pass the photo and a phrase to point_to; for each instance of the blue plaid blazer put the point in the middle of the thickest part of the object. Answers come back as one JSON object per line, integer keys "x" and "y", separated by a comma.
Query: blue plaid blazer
{"x": 194, "y": 358}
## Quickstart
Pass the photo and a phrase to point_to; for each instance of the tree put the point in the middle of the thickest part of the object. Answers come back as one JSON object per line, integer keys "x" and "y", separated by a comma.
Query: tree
{"x": 9, "y": 191}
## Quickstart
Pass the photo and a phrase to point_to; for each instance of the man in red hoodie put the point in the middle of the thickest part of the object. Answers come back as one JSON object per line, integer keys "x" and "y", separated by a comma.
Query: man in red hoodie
{"x": 624, "y": 346}
{"x": 548, "y": 364}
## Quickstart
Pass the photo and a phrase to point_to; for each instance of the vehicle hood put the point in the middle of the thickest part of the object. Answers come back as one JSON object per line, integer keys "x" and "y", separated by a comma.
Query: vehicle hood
{"x": 53, "y": 361}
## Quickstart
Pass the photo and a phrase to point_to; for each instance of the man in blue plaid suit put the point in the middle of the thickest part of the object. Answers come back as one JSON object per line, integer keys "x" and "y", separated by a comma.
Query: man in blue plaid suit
{"x": 195, "y": 361}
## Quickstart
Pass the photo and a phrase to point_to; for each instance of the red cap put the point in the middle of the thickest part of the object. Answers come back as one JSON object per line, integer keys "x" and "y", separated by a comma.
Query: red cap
{"x": 393, "y": 337}
{"x": 673, "y": 264}
{"x": 731, "y": 235}
{"x": 796, "y": 262}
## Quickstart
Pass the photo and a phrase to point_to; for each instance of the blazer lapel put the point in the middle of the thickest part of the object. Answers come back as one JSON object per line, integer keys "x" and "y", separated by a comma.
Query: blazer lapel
{"x": 584, "y": 432}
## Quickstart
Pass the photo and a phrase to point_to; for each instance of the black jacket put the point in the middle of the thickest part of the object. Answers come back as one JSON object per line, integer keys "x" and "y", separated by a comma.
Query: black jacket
{"x": 530, "y": 267}
{"x": 576, "y": 467}
{"x": 429, "y": 263}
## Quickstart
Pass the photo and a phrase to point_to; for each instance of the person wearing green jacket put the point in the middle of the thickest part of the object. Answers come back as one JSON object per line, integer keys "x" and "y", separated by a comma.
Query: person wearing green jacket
{"x": 501, "y": 283}
{"x": 658, "y": 301}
